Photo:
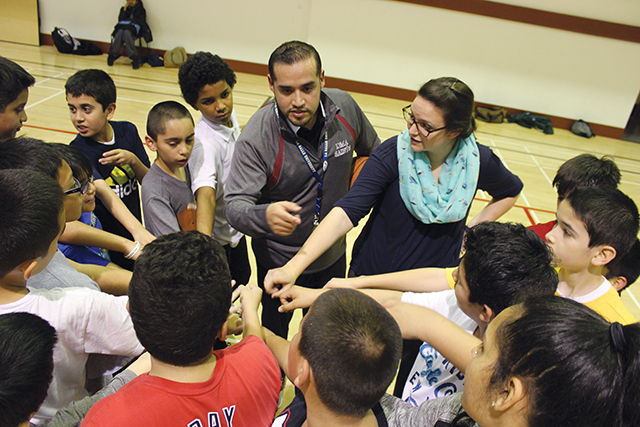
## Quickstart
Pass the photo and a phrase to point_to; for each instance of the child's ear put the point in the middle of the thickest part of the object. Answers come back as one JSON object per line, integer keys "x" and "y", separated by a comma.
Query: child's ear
{"x": 486, "y": 313}
{"x": 303, "y": 374}
{"x": 222, "y": 333}
{"x": 110, "y": 110}
{"x": 619, "y": 283}
{"x": 150, "y": 143}
{"x": 27, "y": 268}
{"x": 604, "y": 255}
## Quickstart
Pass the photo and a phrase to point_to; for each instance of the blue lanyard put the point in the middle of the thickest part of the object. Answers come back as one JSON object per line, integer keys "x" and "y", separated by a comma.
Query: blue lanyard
{"x": 314, "y": 172}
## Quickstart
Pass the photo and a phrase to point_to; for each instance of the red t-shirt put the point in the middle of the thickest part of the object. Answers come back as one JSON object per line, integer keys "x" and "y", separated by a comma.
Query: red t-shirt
{"x": 243, "y": 391}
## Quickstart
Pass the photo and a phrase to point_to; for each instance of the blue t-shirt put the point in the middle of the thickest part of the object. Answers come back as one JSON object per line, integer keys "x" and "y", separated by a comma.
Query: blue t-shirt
{"x": 86, "y": 254}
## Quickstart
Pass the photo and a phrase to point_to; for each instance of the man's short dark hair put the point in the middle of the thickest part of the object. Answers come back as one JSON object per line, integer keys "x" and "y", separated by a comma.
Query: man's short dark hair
{"x": 30, "y": 207}
{"x": 200, "y": 70}
{"x": 161, "y": 113}
{"x": 293, "y": 52}
{"x": 627, "y": 266}
{"x": 94, "y": 83}
{"x": 353, "y": 347}
{"x": 179, "y": 296}
{"x": 29, "y": 153}
{"x": 609, "y": 215}
{"x": 586, "y": 170}
{"x": 505, "y": 263}
{"x": 78, "y": 162}
{"x": 13, "y": 80}
{"x": 26, "y": 365}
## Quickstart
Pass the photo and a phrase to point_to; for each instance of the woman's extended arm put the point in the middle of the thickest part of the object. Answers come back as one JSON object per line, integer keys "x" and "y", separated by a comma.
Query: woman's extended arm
{"x": 335, "y": 225}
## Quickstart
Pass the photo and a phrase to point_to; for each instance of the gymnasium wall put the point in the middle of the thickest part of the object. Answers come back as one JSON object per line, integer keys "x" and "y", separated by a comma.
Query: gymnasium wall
{"x": 403, "y": 44}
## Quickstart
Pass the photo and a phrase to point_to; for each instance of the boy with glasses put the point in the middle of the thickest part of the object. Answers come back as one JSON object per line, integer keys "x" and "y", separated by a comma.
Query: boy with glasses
{"x": 92, "y": 243}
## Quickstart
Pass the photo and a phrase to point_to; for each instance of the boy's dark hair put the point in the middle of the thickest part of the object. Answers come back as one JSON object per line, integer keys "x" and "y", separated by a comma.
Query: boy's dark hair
{"x": 13, "y": 80}
{"x": 504, "y": 263}
{"x": 161, "y": 113}
{"x": 200, "y": 70}
{"x": 353, "y": 347}
{"x": 26, "y": 365}
{"x": 94, "y": 83}
{"x": 293, "y": 52}
{"x": 627, "y": 266}
{"x": 577, "y": 368}
{"x": 179, "y": 296}
{"x": 455, "y": 99}
{"x": 609, "y": 215}
{"x": 586, "y": 170}
{"x": 29, "y": 153}
{"x": 79, "y": 163}
{"x": 30, "y": 207}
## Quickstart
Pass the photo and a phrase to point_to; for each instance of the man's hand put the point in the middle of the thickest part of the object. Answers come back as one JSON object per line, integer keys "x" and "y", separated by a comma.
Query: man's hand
{"x": 298, "y": 297}
{"x": 281, "y": 218}
{"x": 278, "y": 280}
{"x": 118, "y": 157}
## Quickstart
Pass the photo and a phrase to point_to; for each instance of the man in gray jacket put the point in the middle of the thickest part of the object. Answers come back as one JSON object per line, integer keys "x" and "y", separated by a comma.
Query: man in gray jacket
{"x": 292, "y": 163}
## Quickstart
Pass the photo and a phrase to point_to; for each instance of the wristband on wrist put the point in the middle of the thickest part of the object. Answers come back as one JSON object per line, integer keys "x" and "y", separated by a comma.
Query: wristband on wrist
{"x": 134, "y": 251}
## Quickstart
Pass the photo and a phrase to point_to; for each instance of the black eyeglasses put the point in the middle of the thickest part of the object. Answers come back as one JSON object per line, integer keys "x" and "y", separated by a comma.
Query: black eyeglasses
{"x": 82, "y": 189}
{"x": 422, "y": 127}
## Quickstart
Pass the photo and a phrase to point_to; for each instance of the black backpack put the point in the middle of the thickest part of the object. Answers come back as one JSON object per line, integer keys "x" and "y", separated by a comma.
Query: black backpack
{"x": 66, "y": 43}
{"x": 63, "y": 40}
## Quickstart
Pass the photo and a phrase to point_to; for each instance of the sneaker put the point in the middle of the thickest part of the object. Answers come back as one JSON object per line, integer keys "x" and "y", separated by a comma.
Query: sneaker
{"x": 135, "y": 62}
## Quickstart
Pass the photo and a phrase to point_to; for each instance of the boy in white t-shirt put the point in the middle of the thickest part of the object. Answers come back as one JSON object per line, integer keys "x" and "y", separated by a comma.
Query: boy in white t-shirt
{"x": 206, "y": 82}
{"x": 86, "y": 321}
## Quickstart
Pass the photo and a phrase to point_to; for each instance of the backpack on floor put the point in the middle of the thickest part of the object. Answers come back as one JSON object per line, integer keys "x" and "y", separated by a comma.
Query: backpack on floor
{"x": 63, "y": 41}
{"x": 582, "y": 128}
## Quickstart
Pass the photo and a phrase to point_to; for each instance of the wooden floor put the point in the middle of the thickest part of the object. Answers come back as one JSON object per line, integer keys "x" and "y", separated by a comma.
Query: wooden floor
{"x": 533, "y": 156}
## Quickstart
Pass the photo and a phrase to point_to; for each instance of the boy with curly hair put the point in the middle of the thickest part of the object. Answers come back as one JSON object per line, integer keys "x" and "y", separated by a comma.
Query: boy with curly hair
{"x": 207, "y": 82}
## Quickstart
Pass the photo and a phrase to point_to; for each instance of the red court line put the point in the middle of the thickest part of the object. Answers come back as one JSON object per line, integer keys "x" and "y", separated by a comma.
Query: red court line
{"x": 49, "y": 129}
{"x": 527, "y": 209}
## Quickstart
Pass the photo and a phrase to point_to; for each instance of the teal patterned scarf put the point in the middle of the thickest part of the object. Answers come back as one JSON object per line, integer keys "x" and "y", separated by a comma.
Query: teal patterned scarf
{"x": 444, "y": 201}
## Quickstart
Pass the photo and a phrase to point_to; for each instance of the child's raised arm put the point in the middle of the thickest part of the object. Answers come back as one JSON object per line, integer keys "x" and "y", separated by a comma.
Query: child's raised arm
{"x": 250, "y": 296}
{"x": 424, "y": 324}
{"x": 120, "y": 211}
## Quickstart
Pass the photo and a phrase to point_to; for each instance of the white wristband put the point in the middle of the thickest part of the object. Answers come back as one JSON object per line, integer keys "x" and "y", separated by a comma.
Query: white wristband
{"x": 134, "y": 251}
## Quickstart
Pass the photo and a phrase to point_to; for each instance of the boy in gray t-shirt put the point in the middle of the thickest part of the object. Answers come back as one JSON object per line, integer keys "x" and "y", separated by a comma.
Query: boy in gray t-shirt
{"x": 166, "y": 188}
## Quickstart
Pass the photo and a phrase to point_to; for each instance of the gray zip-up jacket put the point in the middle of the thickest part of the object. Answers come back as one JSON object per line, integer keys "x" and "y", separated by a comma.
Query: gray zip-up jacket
{"x": 248, "y": 194}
